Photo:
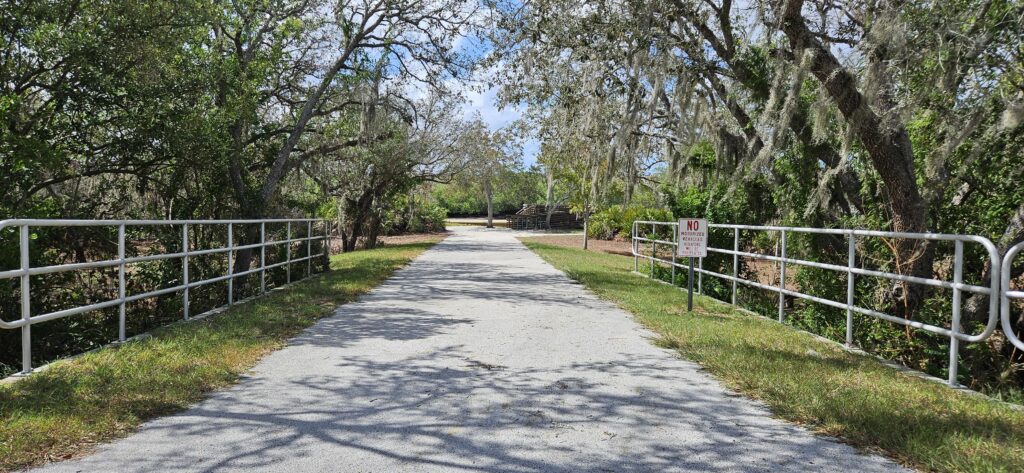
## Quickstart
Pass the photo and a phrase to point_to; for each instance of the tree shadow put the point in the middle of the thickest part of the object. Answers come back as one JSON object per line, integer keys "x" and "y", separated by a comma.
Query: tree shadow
{"x": 440, "y": 411}
{"x": 374, "y": 388}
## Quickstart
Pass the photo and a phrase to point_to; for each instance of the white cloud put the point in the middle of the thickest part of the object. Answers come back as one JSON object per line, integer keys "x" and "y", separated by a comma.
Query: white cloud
{"x": 478, "y": 101}
{"x": 485, "y": 104}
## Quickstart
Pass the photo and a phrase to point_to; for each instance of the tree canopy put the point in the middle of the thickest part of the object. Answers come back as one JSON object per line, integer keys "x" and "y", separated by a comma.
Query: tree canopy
{"x": 826, "y": 113}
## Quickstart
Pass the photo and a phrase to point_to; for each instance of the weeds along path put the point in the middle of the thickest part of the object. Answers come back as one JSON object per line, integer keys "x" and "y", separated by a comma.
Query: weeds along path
{"x": 478, "y": 356}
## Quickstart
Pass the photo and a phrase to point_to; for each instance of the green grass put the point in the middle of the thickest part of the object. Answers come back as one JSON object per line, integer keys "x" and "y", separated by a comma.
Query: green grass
{"x": 60, "y": 412}
{"x": 808, "y": 381}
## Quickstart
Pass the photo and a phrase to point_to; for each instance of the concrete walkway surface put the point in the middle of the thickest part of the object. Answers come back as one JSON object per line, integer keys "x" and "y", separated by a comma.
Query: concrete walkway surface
{"x": 478, "y": 356}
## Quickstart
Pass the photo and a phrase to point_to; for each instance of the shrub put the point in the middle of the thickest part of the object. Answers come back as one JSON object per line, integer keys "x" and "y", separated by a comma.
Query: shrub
{"x": 617, "y": 220}
{"x": 428, "y": 217}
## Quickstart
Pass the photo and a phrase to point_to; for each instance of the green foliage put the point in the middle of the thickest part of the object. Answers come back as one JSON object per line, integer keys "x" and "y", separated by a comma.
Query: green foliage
{"x": 462, "y": 201}
{"x": 431, "y": 218}
{"x": 413, "y": 215}
{"x": 617, "y": 221}
{"x": 513, "y": 190}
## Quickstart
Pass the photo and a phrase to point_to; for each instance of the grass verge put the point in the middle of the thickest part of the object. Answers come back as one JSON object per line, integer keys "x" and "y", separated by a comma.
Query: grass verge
{"x": 61, "y": 412}
{"x": 808, "y": 381}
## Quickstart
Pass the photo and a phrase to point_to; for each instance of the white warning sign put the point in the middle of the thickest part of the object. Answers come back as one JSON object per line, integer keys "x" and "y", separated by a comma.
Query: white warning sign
{"x": 693, "y": 238}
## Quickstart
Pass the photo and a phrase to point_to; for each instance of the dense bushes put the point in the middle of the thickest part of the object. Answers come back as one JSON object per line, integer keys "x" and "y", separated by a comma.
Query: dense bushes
{"x": 617, "y": 220}
{"x": 511, "y": 192}
{"x": 430, "y": 218}
{"x": 420, "y": 217}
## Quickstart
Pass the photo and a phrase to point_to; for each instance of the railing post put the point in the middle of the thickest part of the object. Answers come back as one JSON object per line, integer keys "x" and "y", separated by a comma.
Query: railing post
{"x": 782, "y": 279}
{"x": 327, "y": 244}
{"x": 263, "y": 257}
{"x": 184, "y": 269}
{"x": 636, "y": 249}
{"x": 231, "y": 264}
{"x": 121, "y": 322}
{"x": 654, "y": 251}
{"x": 309, "y": 248}
{"x": 735, "y": 261}
{"x": 851, "y": 244}
{"x": 288, "y": 254}
{"x": 675, "y": 249}
{"x": 26, "y": 304}
{"x": 700, "y": 275}
{"x": 954, "y": 343}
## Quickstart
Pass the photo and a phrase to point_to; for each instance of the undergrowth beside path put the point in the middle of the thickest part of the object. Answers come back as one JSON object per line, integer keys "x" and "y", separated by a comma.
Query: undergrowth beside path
{"x": 808, "y": 381}
{"x": 62, "y": 411}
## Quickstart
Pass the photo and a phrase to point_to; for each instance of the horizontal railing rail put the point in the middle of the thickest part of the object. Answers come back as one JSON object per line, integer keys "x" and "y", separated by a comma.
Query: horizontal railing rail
{"x": 654, "y": 233}
{"x": 26, "y": 271}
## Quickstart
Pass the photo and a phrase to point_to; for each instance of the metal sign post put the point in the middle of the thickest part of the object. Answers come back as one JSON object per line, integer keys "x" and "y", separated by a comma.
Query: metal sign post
{"x": 692, "y": 242}
{"x": 689, "y": 288}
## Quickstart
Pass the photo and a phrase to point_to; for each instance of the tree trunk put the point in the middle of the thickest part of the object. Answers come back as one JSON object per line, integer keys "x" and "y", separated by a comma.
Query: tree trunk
{"x": 586, "y": 233}
{"x": 359, "y": 210}
{"x": 848, "y": 188}
{"x": 888, "y": 146}
{"x": 373, "y": 231}
{"x": 412, "y": 210}
{"x": 489, "y": 195}
{"x": 550, "y": 200}
{"x": 243, "y": 258}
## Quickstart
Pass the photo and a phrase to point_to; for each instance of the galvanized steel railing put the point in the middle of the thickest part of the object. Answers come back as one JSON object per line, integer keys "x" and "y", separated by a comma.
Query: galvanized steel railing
{"x": 26, "y": 271}
{"x": 993, "y": 289}
{"x": 1008, "y": 295}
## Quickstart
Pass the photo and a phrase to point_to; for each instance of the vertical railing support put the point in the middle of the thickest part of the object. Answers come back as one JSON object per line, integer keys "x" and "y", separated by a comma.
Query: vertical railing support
{"x": 121, "y": 317}
{"x": 700, "y": 275}
{"x": 653, "y": 256}
{"x": 675, "y": 249}
{"x": 782, "y": 279}
{"x": 636, "y": 249}
{"x": 231, "y": 264}
{"x": 263, "y": 257}
{"x": 184, "y": 270}
{"x": 327, "y": 245}
{"x": 851, "y": 254}
{"x": 288, "y": 254}
{"x": 309, "y": 248}
{"x": 954, "y": 343}
{"x": 735, "y": 261}
{"x": 26, "y": 303}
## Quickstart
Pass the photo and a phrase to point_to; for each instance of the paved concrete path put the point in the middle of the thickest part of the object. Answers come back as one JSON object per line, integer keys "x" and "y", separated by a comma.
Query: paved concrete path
{"x": 477, "y": 357}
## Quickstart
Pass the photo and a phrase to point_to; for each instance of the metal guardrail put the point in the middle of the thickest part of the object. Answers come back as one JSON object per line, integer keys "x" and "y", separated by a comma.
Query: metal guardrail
{"x": 993, "y": 290}
{"x": 26, "y": 271}
{"x": 1008, "y": 295}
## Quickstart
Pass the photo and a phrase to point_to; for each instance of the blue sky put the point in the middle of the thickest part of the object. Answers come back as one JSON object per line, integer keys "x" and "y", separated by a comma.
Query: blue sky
{"x": 479, "y": 93}
{"x": 485, "y": 104}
